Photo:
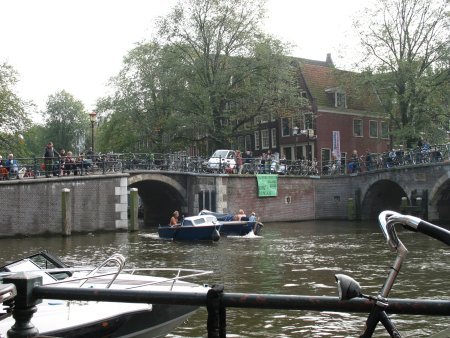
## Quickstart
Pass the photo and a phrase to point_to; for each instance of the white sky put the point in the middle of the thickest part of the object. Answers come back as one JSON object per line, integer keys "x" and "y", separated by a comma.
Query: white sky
{"x": 77, "y": 45}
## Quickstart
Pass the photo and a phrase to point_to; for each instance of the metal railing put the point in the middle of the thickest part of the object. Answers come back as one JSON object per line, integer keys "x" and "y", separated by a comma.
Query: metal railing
{"x": 38, "y": 167}
{"x": 215, "y": 301}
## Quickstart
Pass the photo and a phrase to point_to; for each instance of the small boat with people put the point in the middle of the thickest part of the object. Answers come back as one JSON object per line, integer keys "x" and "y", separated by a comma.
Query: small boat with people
{"x": 192, "y": 228}
{"x": 236, "y": 225}
{"x": 61, "y": 318}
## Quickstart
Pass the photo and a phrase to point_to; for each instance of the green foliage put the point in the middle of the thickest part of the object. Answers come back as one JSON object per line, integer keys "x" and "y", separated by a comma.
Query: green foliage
{"x": 66, "y": 122}
{"x": 210, "y": 70}
{"x": 406, "y": 45}
{"x": 13, "y": 116}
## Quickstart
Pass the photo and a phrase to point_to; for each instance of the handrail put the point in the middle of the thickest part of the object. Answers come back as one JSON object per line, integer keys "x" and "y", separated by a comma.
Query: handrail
{"x": 115, "y": 258}
{"x": 129, "y": 162}
{"x": 431, "y": 307}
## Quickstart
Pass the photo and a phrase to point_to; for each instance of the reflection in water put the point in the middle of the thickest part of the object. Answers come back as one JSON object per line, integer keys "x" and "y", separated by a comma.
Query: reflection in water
{"x": 291, "y": 258}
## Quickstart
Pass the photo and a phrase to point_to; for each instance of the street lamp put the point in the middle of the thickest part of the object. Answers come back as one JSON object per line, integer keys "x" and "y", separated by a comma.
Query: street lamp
{"x": 295, "y": 133}
{"x": 93, "y": 118}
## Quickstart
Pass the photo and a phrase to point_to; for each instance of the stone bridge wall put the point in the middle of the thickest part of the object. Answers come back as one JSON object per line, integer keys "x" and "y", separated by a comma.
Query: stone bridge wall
{"x": 100, "y": 202}
{"x": 33, "y": 206}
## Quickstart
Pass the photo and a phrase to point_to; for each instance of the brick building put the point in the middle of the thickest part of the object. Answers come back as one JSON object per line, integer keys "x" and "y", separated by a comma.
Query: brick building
{"x": 342, "y": 115}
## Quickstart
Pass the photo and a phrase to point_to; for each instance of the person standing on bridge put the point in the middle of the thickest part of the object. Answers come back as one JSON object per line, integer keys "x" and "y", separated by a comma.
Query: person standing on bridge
{"x": 50, "y": 154}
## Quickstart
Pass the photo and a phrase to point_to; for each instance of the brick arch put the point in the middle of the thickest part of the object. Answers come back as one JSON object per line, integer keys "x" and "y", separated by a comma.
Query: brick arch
{"x": 383, "y": 194}
{"x": 438, "y": 198}
{"x": 160, "y": 178}
{"x": 160, "y": 196}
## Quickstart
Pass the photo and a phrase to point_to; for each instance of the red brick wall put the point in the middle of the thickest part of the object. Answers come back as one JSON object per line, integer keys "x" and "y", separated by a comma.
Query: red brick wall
{"x": 328, "y": 122}
{"x": 295, "y": 200}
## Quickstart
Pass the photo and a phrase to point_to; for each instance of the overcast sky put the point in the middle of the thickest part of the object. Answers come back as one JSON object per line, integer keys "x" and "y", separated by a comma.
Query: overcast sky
{"x": 77, "y": 45}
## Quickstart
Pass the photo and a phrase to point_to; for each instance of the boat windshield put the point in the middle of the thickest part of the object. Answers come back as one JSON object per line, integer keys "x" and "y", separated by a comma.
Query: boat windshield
{"x": 199, "y": 221}
{"x": 28, "y": 265}
{"x": 187, "y": 222}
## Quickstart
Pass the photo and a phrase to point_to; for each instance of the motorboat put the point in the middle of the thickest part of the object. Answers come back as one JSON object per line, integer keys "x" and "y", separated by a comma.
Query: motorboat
{"x": 231, "y": 227}
{"x": 192, "y": 228}
{"x": 60, "y": 318}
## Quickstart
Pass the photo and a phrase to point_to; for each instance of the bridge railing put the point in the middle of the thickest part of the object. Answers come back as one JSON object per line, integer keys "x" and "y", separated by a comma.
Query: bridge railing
{"x": 38, "y": 167}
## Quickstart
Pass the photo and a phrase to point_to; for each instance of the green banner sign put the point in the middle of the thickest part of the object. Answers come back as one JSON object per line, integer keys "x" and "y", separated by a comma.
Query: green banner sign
{"x": 267, "y": 185}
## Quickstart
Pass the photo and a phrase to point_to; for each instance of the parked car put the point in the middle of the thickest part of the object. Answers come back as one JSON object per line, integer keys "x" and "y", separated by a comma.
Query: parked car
{"x": 222, "y": 159}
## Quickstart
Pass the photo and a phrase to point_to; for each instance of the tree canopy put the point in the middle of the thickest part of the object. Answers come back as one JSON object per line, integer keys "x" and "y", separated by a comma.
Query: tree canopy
{"x": 209, "y": 71}
{"x": 13, "y": 116}
{"x": 407, "y": 57}
{"x": 65, "y": 121}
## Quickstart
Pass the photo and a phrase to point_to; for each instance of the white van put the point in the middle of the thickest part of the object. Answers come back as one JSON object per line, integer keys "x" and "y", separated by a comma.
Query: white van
{"x": 222, "y": 159}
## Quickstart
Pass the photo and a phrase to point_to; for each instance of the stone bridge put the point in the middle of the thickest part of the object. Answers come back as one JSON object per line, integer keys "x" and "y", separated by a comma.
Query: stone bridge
{"x": 99, "y": 202}
{"x": 424, "y": 189}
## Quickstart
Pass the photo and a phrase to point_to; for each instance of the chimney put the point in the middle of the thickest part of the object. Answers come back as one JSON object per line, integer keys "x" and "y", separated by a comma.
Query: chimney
{"x": 329, "y": 61}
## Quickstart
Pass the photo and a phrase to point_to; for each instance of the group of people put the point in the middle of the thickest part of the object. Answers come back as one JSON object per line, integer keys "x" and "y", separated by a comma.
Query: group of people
{"x": 241, "y": 216}
{"x": 62, "y": 163}
{"x": 10, "y": 168}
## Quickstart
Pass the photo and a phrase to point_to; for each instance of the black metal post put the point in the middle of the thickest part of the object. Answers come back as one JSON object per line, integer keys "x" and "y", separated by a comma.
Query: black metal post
{"x": 24, "y": 304}
{"x": 216, "y": 324}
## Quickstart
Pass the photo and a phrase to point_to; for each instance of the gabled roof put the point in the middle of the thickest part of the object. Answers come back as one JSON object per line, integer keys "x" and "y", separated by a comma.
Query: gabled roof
{"x": 322, "y": 80}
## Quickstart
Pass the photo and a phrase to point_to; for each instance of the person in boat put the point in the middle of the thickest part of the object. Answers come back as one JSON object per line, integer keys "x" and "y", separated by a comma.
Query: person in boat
{"x": 239, "y": 215}
{"x": 252, "y": 217}
{"x": 174, "y": 219}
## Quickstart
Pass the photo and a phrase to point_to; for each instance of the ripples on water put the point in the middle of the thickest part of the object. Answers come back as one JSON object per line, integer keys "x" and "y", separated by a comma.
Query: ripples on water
{"x": 290, "y": 258}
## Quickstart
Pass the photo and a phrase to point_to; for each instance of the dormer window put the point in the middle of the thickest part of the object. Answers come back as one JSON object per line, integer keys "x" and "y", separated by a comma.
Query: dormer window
{"x": 340, "y": 98}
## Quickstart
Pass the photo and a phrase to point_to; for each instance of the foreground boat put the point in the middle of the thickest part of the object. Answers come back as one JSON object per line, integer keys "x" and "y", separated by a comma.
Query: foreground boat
{"x": 228, "y": 227}
{"x": 193, "y": 228}
{"x": 104, "y": 319}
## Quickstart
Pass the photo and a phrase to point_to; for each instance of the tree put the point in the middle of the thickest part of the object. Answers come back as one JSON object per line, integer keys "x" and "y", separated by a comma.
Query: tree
{"x": 233, "y": 72}
{"x": 145, "y": 93}
{"x": 66, "y": 121}
{"x": 13, "y": 116}
{"x": 407, "y": 59}
{"x": 210, "y": 71}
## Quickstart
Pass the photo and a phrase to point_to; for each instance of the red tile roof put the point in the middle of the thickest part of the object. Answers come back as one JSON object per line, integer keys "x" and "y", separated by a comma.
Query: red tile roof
{"x": 320, "y": 76}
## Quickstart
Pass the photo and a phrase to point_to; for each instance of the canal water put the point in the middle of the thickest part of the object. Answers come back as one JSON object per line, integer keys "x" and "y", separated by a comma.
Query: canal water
{"x": 298, "y": 258}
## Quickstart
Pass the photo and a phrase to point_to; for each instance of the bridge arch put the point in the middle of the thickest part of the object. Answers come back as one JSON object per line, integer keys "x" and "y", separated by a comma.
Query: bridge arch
{"x": 381, "y": 195}
{"x": 440, "y": 198}
{"x": 160, "y": 195}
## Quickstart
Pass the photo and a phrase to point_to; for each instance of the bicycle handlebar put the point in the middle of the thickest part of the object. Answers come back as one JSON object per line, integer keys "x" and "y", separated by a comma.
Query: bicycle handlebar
{"x": 388, "y": 219}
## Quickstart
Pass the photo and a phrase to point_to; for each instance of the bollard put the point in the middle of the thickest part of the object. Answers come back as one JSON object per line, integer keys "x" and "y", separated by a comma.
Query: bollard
{"x": 66, "y": 212}
{"x": 24, "y": 304}
{"x": 404, "y": 203}
{"x": 216, "y": 322}
{"x": 351, "y": 209}
{"x": 419, "y": 206}
{"x": 133, "y": 224}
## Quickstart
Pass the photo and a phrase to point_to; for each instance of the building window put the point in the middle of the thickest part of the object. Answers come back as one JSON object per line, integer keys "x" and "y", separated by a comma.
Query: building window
{"x": 326, "y": 160}
{"x": 265, "y": 139}
{"x": 373, "y": 129}
{"x": 340, "y": 100}
{"x": 308, "y": 120}
{"x": 285, "y": 126}
{"x": 384, "y": 126}
{"x": 357, "y": 128}
{"x": 248, "y": 142}
{"x": 273, "y": 131}
{"x": 241, "y": 145}
{"x": 265, "y": 118}
{"x": 256, "y": 140}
